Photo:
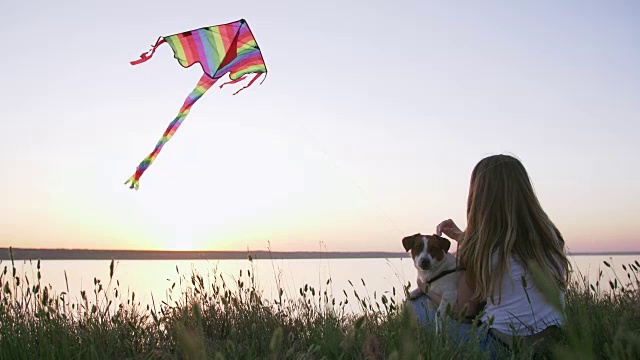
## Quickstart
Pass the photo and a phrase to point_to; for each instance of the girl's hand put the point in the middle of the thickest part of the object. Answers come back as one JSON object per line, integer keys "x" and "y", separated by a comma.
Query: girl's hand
{"x": 449, "y": 228}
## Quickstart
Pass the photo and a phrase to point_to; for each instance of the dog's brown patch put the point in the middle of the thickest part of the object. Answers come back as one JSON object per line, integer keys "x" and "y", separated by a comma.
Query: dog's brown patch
{"x": 413, "y": 243}
{"x": 438, "y": 246}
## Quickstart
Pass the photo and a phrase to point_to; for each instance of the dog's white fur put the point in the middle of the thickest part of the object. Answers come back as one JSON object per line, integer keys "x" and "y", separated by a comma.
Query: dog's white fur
{"x": 447, "y": 285}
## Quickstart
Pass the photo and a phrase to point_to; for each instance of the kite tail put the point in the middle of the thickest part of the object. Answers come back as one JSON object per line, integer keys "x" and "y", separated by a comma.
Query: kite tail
{"x": 203, "y": 85}
{"x": 233, "y": 81}
{"x": 249, "y": 84}
{"x": 146, "y": 56}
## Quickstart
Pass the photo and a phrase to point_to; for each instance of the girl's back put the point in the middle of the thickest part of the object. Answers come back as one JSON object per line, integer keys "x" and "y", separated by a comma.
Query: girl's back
{"x": 522, "y": 308}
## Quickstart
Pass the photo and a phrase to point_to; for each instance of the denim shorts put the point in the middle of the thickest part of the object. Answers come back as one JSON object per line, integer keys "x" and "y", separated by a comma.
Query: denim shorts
{"x": 458, "y": 332}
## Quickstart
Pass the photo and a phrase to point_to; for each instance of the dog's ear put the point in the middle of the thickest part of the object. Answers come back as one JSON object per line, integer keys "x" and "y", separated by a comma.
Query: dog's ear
{"x": 440, "y": 242}
{"x": 407, "y": 242}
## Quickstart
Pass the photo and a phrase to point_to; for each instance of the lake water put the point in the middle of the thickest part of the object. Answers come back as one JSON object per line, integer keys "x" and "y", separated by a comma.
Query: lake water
{"x": 365, "y": 276}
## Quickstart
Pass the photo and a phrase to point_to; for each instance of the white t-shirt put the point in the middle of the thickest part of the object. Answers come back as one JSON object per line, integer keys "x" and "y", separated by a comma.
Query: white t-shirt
{"x": 521, "y": 311}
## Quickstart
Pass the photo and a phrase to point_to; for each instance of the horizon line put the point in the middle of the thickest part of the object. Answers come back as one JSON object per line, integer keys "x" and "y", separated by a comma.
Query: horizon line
{"x": 107, "y": 254}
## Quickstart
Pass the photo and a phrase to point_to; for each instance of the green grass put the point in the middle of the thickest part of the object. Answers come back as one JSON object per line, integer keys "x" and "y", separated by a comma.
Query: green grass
{"x": 211, "y": 319}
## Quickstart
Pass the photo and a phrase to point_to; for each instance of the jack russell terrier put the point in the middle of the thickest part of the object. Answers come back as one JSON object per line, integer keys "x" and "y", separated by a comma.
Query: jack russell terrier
{"x": 436, "y": 268}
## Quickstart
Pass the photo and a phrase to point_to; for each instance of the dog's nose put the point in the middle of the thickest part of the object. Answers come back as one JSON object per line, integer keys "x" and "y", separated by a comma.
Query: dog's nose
{"x": 424, "y": 263}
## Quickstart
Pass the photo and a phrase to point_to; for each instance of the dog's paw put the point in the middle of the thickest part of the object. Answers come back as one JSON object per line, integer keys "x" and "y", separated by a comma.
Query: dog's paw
{"x": 415, "y": 293}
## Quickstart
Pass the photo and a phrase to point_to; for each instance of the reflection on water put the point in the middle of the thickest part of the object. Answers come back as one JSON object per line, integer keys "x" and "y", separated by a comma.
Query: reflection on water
{"x": 367, "y": 277}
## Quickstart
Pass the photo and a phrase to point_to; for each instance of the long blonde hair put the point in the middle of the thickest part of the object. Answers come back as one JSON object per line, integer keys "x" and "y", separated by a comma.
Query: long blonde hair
{"x": 504, "y": 218}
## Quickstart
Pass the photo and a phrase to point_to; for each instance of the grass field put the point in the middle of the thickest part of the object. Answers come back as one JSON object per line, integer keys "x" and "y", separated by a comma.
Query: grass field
{"x": 215, "y": 320}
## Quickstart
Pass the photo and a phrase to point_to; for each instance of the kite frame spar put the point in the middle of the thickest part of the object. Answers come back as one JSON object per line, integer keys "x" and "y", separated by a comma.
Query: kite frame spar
{"x": 237, "y": 65}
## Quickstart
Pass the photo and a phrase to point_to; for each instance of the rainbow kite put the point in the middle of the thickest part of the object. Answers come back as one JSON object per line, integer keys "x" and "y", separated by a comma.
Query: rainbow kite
{"x": 221, "y": 49}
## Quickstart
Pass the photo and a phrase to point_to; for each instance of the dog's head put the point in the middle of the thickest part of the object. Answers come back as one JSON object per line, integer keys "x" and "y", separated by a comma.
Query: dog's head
{"x": 426, "y": 250}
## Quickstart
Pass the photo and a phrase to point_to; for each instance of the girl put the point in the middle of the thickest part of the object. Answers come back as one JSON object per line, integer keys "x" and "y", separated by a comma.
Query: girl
{"x": 507, "y": 234}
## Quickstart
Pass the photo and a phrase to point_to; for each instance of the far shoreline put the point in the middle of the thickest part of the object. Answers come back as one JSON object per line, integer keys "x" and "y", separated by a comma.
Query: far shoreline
{"x": 89, "y": 254}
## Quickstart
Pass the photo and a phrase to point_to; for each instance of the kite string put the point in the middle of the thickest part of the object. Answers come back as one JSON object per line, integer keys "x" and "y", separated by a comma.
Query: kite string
{"x": 335, "y": 165}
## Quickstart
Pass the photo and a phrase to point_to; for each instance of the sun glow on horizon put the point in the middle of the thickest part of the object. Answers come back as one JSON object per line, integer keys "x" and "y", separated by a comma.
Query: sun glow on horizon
{"x": 182, "y": 244}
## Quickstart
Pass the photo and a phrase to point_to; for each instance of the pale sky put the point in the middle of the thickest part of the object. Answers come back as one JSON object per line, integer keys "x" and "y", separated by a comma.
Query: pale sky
{"x": 366, "y": 129}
